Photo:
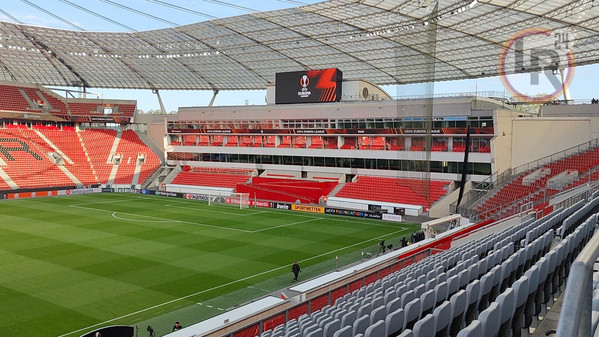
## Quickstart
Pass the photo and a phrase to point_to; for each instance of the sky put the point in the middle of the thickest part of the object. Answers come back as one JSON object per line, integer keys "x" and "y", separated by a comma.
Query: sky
{"x": 64, "y": 14}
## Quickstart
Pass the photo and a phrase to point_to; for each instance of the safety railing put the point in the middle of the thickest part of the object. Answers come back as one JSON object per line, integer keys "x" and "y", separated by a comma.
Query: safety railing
{"x": 575, "y": 316}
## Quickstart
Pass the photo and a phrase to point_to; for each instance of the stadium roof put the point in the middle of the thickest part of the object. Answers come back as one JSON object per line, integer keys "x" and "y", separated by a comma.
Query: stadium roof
{"x": 381, "y": 41}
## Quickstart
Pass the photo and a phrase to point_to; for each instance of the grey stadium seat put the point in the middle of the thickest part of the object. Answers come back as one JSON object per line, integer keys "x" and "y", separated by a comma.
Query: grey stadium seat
{"x": 474, "y": 329}
{"x": 458, "y": 309}
{"x": 440, "y": 293}
{"x": 331, "y": 327}
{"x": 442, "y": 316}
{"x": 376, "y": 330}
{"x": 316, "y": 333}
{"x": 394, "y": 322}
{"x": 427, "y": 302}
{"x": 472, "y": 295}
{"x": 425, "y": 327}
{"x": 378, "y": 314}
{"x": 506, "y": 305}
{"x": 346, "y": 331}
{"x": 393, "y": 305}
{"x": 406, "y": 333}
{"x": 361, "y": 324}
{"x": 412, "y": 313}
{"x": 490, "y": 320}
{"x": 348, "y": 318}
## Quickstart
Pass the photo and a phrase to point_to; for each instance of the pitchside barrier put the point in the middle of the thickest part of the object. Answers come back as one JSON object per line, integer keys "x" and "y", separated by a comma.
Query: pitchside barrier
{"x": 267, "y": 312}
{"x": 38, "y": 193}
{"x": 243, "y": 201}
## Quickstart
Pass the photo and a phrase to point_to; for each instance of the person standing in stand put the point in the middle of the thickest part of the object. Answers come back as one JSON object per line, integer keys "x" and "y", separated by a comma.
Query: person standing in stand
{"x": 296, "y": 270}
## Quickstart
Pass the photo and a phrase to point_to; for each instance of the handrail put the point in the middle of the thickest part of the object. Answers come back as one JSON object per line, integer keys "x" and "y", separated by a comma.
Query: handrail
{"x": 496, "y": 181}
{"x": 575, "y": 316}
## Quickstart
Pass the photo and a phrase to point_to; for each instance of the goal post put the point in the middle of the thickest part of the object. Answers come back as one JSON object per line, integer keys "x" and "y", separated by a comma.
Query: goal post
{"x": 242, "y": 200}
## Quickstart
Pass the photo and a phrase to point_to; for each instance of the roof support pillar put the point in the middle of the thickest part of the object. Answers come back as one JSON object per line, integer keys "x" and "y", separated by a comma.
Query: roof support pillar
{"x": 565, "y": 88}
{"x": 162, "y": 109}
{"x": 215, "y": 91}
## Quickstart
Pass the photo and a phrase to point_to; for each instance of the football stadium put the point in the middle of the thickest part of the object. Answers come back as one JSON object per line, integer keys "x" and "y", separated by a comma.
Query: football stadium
{"x": 420, "y": 212}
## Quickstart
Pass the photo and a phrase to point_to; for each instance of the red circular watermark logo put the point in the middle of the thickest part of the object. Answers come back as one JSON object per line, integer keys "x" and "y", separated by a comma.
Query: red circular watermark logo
{"x": 543, "y": 54}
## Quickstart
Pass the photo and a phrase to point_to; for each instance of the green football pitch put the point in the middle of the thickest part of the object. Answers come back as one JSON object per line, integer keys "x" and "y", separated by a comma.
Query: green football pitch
{"x": 69, "y": 265}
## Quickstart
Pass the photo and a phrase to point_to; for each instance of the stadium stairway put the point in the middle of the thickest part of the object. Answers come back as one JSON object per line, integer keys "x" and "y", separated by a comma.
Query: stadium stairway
{"x": 87, "y": 156}
{"x": 111, "y": 154}
{"x": 151, "y": 146}
{"x": 26, "y": 155}
{"x": 336, "y": 189}
{"x": 7, "y": 183}
{"x": 63, "y": 156}
{"x": 98, "y": 145}
{"x": 69, "y": 143}
{"x": 66, "y": 157}
{"x": 137, "y": 160}
{"x": 506, "y": 199}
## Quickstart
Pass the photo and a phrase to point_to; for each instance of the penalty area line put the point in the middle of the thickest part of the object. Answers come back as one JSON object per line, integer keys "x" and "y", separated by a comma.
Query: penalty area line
{"x": 163, "y": 219}
{"x": 213, "y": 211}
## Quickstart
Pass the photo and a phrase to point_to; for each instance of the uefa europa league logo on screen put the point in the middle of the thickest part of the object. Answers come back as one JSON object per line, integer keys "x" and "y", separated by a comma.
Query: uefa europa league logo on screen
{"x": 543, "y": 54}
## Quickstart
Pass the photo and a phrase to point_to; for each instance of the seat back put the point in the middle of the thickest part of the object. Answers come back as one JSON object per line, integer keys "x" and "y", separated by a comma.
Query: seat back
{"x": 474, "y": 329}
{"x": 506, "y": 304}
{"x": 346, "y": 331}
{"x": 412, "y": 313}
{"x": 425, "y": 327}
{"x": 394, "y": 322}
{"x": 489, "y": 319}
{"x": 331, "y": 327}
{"x": 376, "y": 330}
{"x": 442, "y": 316}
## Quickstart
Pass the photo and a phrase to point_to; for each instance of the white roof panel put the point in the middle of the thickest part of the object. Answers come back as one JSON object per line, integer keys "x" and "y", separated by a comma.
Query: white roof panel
{"x": 381, "y": 41}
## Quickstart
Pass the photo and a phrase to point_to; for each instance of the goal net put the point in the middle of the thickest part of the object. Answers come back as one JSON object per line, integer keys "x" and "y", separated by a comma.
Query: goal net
{"x": 241, "y": 200}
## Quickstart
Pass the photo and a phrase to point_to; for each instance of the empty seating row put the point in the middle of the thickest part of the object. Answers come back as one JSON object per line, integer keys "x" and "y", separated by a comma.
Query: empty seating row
{"x": 210, "y": 179}
{"x": 38, "y": 99}
{"x": 395, "y": 190}
{"x": 47, "y": 157}
{"x": 538, "y": 184}
{"x": 287, "y": 190}
{"x": 498, "y": 286}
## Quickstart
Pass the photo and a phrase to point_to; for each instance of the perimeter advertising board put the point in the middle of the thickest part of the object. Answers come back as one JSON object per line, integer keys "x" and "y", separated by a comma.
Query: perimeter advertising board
{"x": 311, "y": 86}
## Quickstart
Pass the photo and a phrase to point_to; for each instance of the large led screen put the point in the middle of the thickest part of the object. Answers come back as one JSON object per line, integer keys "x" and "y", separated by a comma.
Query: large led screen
{"x": 311, "y": 86}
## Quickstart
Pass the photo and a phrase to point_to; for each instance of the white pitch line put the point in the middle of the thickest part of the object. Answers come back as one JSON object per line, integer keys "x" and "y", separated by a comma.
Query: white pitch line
{"x": 285, "y": 225}
{"x": 114, "y": 215}
{"x": 213, "y": 211}
{"x": 102, "y": 202}
{"x": 330, "y": 217}
{"x": 158, "y": 219}
{"x": 165, "y": 219}
{"x": 217, "y": 287}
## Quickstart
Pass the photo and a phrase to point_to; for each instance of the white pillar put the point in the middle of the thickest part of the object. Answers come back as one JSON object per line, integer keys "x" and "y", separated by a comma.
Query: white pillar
{"x": 566, "y": 89}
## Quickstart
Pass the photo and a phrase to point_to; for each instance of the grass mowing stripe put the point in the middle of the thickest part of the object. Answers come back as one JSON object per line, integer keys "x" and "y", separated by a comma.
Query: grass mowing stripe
{"x": 141, "y": 264}
{"x": 217, "y": 287}
{"x": 213, "y": 211}
{"x": 157, "y": 218}
{"x": 330, "y": 217}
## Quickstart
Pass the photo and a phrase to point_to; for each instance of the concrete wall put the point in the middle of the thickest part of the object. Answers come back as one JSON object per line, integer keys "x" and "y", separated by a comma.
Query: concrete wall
{"x": 441, "y": 208}
{"x": 541, "y": 137}
{"x": 577, "y": 110}
{"x": 501, "y": 144}
{"x": 156, "y": 128}
{"x": 362, "y": 205}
